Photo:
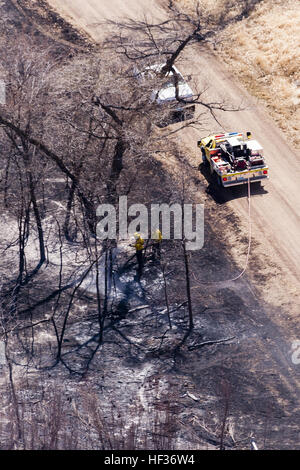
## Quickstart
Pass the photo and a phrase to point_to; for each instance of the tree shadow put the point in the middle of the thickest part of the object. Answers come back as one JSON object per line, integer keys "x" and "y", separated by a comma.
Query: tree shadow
{"x": 222, "y": 195}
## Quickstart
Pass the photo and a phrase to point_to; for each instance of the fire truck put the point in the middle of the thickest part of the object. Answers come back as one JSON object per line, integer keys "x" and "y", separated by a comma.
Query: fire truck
{"x": 234, "y": 158}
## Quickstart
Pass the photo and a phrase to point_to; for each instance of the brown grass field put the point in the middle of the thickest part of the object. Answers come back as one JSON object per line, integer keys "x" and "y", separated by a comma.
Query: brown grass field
{"x": 263, "y": 51}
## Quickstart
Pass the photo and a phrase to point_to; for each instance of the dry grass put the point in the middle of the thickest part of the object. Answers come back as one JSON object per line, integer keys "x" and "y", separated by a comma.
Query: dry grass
{"x": 263, "y": 50}
{"x": 213, "y": 5}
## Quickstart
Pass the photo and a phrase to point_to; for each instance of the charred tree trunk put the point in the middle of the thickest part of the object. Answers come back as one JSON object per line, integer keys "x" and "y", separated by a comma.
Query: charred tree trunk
{"x": 36, "y": 211}
{"x": 73, "y": 189}
{"x": 38, "y": 220}
{"x": 116, "y": 168}
{"x": 172, "y": 59}
{"x": 23, "y": 234}
{"x": 120, "y": 148}
{"x": 188, "y": 287}
{"x": 68, "y": 213}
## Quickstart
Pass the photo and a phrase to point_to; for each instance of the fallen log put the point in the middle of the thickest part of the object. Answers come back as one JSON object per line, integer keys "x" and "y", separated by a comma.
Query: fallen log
{"x": 197, "y": 346}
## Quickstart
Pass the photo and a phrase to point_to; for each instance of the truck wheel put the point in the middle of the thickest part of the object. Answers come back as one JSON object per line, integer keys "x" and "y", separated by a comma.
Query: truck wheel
{"x": 219, "y": 181}
{"x": 204, "y": 159}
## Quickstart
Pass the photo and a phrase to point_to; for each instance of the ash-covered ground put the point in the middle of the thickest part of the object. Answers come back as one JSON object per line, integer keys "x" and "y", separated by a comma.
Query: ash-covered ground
{"x": 141, "y": 388}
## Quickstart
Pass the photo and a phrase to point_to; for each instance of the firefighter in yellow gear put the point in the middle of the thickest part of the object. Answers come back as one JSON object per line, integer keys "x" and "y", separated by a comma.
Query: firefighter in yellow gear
{"x": 139, "y": 246}
{"x": 139, "y": 242}
{"x": 249, "y": 135}
{"x": 156, "y": 247}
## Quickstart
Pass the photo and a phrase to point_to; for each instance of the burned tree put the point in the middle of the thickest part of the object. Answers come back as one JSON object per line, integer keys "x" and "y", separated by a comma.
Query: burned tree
{"x": 78, "y": 132}
{"x": 160, "y": 45}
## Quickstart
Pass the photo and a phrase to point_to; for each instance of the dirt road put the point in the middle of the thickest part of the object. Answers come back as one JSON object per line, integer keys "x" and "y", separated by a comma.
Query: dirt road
{"x": 87, "y": 15}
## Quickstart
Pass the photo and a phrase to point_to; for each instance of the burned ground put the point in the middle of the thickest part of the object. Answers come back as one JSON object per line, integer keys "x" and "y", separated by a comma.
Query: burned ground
{"x": 139, "y": 390}
{"x": 136, "y": 375}
{"x": 37, "y": 17}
